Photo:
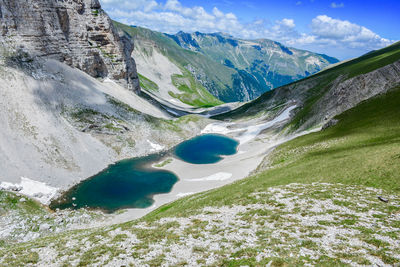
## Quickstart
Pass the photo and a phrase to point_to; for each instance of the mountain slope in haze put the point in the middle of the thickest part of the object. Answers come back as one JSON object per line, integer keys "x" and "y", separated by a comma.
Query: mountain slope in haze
{"x": 314, "y": 201}
{"x": 329, "y": 93}
{"x": 270, "y": 64}
{"x": 230, "y": 73}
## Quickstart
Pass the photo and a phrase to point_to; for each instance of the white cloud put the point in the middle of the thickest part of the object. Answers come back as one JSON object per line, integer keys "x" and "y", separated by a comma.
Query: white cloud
{"x": 334, "y": 5}
{"x": 345, "y": 32}
{"x": 326, "y": 33}
{"x": 287, "y": 23}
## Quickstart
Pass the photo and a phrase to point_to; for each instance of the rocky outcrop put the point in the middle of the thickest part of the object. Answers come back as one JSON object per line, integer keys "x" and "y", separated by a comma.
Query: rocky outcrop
{"x": 77, "y": 32}
{"x": 348, "y": 93}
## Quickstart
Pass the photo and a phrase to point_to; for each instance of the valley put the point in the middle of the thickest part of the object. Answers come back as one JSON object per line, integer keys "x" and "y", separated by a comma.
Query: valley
{"x": 124, "y": 146}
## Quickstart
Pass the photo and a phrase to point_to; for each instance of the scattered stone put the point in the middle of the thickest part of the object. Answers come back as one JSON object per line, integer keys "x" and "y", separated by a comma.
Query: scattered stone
{"x": 44, "y": 227}
{"x": 383, "y": 199}
{"x": 330, "y": 123}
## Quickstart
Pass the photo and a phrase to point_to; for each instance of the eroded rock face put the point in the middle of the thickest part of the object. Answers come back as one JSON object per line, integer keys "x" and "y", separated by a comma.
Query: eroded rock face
{"x": 77, "y": 32}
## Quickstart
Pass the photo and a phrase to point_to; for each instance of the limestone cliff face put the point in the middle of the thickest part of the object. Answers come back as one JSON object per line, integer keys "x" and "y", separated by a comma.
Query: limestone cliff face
{"x": 77, "y": 32}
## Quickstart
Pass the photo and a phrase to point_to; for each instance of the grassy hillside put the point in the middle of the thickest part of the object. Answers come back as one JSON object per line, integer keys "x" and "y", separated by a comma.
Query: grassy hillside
{"x": 363, "y": 149}
{"x": 309, "y": 91}
{"x": 315, "y": 202}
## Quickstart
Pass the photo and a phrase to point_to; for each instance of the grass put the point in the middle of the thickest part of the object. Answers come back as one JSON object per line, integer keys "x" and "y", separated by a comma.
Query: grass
{"x": 318, "y": 85}
{"x": 365, "y": 144}
{"x": 363, "y": 149}
{"x": 163, "y": 163}
{"x": 192, "y": 92}
{"x": 147, "y": 84}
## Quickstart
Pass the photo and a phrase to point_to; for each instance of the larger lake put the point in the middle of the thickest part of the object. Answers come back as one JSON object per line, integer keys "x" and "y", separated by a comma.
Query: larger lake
{"x": 132, "y": 183}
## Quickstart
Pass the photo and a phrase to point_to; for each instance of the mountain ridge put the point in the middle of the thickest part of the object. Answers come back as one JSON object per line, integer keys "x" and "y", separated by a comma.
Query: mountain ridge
{"x": 269, "y": 62}
{"x": 221, "y": 77}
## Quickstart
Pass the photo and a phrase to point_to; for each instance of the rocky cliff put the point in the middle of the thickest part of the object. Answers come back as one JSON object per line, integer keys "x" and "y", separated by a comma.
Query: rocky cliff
{"x": 77, "y": 32}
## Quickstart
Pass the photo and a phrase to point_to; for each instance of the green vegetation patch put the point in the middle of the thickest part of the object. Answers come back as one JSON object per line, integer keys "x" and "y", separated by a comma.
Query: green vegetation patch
{"x": 147, "y": 84}
{"x": 164, "y": 163}
{"x": 192, "y": 92}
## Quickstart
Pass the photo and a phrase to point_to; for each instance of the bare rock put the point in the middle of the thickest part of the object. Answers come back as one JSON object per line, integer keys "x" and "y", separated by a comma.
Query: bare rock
{"x": 330, "y": 123}
{"x": 76, "y": 32}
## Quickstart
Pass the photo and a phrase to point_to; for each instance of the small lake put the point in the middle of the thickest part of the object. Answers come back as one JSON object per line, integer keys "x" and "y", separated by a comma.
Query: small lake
{"x": 132, "y": 183}
{"x": 206, "y": 149}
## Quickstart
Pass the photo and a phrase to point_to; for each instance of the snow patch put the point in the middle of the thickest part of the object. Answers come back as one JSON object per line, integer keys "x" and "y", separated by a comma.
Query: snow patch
{"x": 254, "y": 130}
{"x": 108, "y": 80}
{"x": 155, "y": 147}
{"x": 250, "y": 132}
{"x": 172, "y": 112}
{"x": 37, "y": 190}
{"x": 218, "y": 128}
{"x": 220, "y": 176}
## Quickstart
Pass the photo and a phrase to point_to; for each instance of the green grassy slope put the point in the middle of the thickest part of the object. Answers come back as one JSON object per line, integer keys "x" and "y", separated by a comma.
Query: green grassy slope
{"x": 362, "y": 149}
{"x": 316, "y": 85}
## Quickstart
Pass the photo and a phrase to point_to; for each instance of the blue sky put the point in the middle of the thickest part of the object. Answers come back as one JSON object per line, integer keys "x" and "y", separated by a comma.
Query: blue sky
{"x": 343, "y": 29}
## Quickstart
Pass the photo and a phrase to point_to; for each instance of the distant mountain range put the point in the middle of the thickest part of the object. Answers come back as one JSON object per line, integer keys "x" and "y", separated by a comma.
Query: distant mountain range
{"x": 231, "y": 69}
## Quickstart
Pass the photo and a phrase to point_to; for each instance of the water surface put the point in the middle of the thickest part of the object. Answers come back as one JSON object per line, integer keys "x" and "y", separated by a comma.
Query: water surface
{"x": 127, "y": 184}
{"x": 132, "y": 183}
{"x": 206, "y": 149}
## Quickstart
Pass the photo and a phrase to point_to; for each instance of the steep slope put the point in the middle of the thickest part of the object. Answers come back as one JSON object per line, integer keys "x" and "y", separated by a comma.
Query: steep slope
{"x": 303, "y": 209}
{"x": 164, "y": 63}
{"x": 269, "y": 64}
{"x": 66, "y": 111}
{"x": 59, "y": 125}
{"x": 330, "y": 92}
{"x": 78, "y": 33}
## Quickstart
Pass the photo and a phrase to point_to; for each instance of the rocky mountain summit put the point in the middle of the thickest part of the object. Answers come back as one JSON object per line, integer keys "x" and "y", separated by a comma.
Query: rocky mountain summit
{"x": 76, "y": 32}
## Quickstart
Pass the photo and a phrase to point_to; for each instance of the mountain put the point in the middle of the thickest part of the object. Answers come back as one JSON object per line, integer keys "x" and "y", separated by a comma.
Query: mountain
{"x": 268, "y": 63}
{"x": 68, "y": 100}
{"x": 162, "y": 68}
{"x": 230, "y": 69}
{"x": 330, "y": 92}
{"x": 326, "y": 198}
{"x": 78, "y": 33}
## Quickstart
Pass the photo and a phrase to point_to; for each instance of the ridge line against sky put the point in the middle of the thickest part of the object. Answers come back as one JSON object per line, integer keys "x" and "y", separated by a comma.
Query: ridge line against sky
{"x": 333, "y": 28}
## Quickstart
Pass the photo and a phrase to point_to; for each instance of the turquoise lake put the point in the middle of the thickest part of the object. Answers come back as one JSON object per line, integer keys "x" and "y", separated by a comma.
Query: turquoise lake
{"x": 132, "y": 183}
{"x": 206, "y": 149}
